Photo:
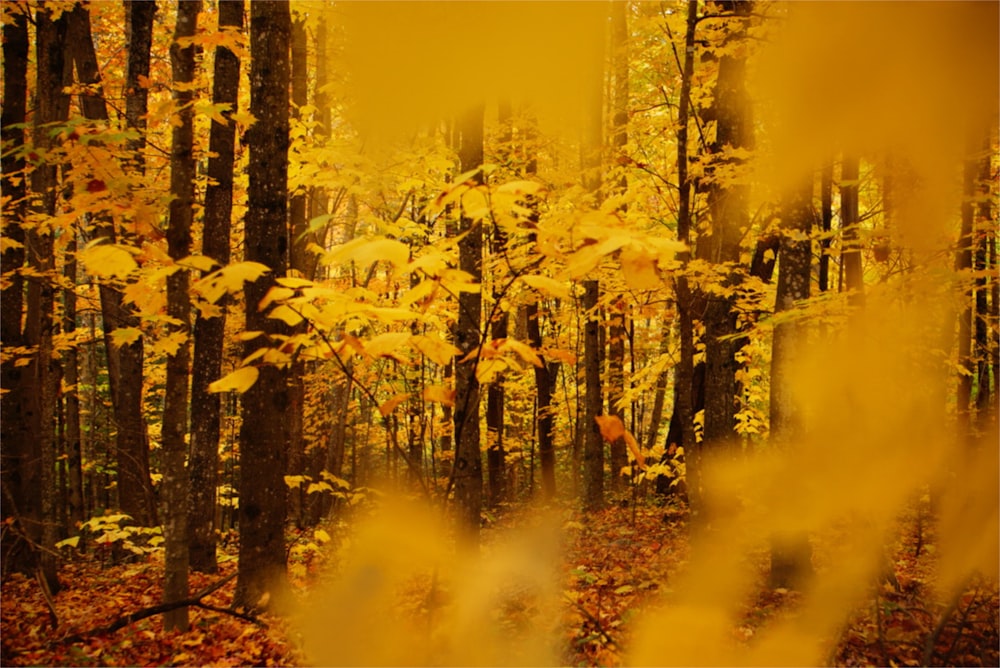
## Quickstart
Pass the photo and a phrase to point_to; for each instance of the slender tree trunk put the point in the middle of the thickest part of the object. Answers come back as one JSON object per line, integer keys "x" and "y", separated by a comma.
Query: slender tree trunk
{"x": 826, "y": 218}
{"x": 963, "y": 266}
{"x": 986, "y": 243}
{"x": 298, "y": 259}
{"x": 262, "y": 581}
{"x": 791, "y": 553}
{"x": 71, "y": 374}
{"x": 593, "y": 446}
{"x": 849, "y": 215}
{"x": 468, "y": 472}
{"x": 729, "y": 208}
{"x": 209, "y": 332}
{"x": 125, "y": 363}
{"x": 685, "y": 397}
{"x": 42, "y": 374}
{"x": 14, "y": 434}
{"x": 176, "y": 485}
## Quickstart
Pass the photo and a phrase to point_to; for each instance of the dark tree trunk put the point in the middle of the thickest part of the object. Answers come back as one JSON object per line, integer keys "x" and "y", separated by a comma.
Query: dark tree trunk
{"x": 176, "y": 485}
{"x": 685, "y": 397}
{"x": 262, "y": 580}
{"x": 985, "y": 241}
{"x": 593, "y": 446}
{"x": 71, "y": 374}
{"x": 729, "y": 209}
{"x": 209, "y": 342}
{"x": 42, "y": 374}
{"x": 125, "y": 363}
{"x": 791, "y": 553}
{"x": 14, "y": 434}
{"x": 468, "y": 473}
{"x": 849, "y": 215}
{"x": 299, "y": 260}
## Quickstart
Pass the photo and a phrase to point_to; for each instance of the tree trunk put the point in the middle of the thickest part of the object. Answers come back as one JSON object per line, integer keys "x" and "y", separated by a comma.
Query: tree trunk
{"x": 593, "y": 445}
{"x": 125, "y": 363}
{"x": 71, "y": 374}
{"x": 986, "y": 240}
{"x": 209, "y": 332}
{"x": 685, "y": 397}
{"x": 791, "y": 553}
{"x": 849, "y": 215}
{"x": 262, "y": 581}
{"x": 175, "y": 425}
{"x": 42, "y": 374}
{"x": 729, "y": 208}
{"x": 616, "y": 328}
{"x": 963, "y": 266}
{"x": 468, "y": 473}
{"x": 14, "y": 434}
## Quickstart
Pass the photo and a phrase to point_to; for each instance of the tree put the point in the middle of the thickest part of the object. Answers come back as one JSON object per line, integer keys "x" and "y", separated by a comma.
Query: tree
{"x": 264, "y": 431}
{"x": 728, "y": 204}
{"x": 468, "y": 466}
{"x": 175, "y": 408}
{"x": 209, "y": 331}
{"x": 790, "y": 551}
{"x": 41, "y": 378}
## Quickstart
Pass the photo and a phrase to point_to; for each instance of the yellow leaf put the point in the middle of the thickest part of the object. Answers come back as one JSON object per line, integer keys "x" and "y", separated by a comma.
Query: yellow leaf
{"x": 321, "y": 536}
{"x": 523, "y": 350}
{"x": 124, "y": 336}
{"x": 547, "y": 285}
{"x": 104, "y": 260}
{"x": 294, "y": 481}
{"x": 520, "y": 187}
{"x": 364, "y": 252}
{"x": 238, "y": 381}
{"x": 199, "y": 262}
{"x": 286, "y": 314}
{"x": 229, "y": 279}
{"x": 389, "y": 406}
{"x": 438, "y": 350}
{"x": 384, "y": 345}
{"x": 611, "y": 427}
{"x": 170, "y": 344}
{"x": 487, "y": 369}
{"x": 639, "y": 269}
{"x": 439, "y": 394}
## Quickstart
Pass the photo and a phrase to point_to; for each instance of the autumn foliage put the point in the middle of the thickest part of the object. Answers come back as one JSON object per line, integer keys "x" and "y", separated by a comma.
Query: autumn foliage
{"x": 499, "y": 333}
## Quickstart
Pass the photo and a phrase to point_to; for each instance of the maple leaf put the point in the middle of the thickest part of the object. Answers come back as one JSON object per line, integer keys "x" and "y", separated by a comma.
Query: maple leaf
{"x": 238, "y": 381}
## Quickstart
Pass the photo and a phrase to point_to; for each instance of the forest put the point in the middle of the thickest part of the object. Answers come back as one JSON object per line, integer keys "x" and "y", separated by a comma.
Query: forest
{"x": 618, "y": 332}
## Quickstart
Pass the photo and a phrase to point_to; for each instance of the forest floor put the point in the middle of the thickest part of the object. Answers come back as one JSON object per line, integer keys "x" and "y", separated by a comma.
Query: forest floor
{"x": 616, "y": 563}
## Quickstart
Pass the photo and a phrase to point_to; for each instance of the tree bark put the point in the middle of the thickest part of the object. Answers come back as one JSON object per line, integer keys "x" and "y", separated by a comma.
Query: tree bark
{"x": 15, "y": 455}
{"x": 262, "y": 581}
{"x": 209, "y": 332}
{"x": 125, "y": 363}
{"x": 468, "y": 471}
{"x": 728, "y": 202}
{"x": 849, "y": 215}
{"x": 791, "y": 553}
{"x": 176, "y": 485}
{"x": 685, "y": 396}
{"x": 42, "y": 374}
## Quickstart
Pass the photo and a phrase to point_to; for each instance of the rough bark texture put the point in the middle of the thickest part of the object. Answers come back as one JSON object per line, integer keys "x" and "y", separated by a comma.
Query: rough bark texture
{"x": 206, "y": 407}
{"x": 468, "y": 472}
{"x": 125, "y": 363}
{"x": 790, "y": 552}
{"x": 14, "y": 456}
{"x": 175, "y": 407}
{"x": 42, "y": 374}
{"x": 262, "y": 580}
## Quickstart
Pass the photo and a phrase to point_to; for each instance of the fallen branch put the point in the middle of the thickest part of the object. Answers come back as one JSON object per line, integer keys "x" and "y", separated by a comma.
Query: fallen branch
{"x": 192, "y": 602}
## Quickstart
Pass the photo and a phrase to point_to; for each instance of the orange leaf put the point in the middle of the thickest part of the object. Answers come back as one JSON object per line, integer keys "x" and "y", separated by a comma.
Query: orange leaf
{"x": 390, "y": 406}
{"x": 611, "y": 427}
